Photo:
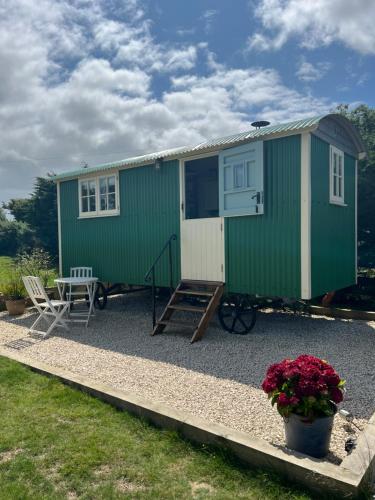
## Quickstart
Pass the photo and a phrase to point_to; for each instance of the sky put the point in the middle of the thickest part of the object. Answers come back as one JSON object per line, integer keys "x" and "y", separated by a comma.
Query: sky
{"x": 94, "y": 81}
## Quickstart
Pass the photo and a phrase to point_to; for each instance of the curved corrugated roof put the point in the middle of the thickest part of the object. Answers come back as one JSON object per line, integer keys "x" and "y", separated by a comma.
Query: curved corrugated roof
{"x": 298, "y": 126}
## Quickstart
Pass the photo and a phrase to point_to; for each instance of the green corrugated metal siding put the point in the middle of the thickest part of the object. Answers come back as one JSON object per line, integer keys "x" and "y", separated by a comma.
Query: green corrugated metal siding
{"x": 332, "y": 226}
{"x": 263, "y": 251}
{"x": 122, "y": 248}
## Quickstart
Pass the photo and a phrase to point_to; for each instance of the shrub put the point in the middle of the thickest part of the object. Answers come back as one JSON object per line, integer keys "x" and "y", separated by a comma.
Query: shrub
{"x": 307, "y": 386}
{"x": 37, "y": 263}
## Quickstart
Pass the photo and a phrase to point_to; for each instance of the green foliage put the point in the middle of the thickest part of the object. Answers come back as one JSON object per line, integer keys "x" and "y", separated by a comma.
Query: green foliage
{"x": 37, "y": 263}
{"x": 58, "y": 443}
{"x": 39, "y": 214}
{"x": 15, "y": 236}
{"x": 6, "y": 268}
{"x": 13, "y": 289}
{"x": 11, "y": 285}
{"x": 363, "y": 118}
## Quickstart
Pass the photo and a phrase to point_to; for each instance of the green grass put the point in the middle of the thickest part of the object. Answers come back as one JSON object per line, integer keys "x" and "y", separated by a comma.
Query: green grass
{"x": 56, "y": 442}
{"x": 5, "y": 268}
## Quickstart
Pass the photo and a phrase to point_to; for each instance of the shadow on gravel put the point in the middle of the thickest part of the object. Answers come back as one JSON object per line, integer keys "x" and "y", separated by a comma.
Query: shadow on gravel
{"x": 125, "y": 325}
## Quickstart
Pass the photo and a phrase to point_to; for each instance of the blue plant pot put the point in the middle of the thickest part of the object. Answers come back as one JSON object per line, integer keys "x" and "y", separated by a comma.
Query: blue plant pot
{"x": 310, "y": 438}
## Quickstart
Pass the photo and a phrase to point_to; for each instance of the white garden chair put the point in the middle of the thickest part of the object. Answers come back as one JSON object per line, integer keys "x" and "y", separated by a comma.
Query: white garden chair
{"x": 47, "y": 307}
{"x": 78, "y": 272}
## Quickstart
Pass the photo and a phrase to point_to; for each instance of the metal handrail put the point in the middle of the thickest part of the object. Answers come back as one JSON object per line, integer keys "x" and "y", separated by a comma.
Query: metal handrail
{"x": 150, "y": 275}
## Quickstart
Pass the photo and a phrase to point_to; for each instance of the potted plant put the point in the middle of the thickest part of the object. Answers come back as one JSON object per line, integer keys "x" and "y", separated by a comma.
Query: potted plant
{"x": 306, "y": 392}
{"x": 14, "y": 293}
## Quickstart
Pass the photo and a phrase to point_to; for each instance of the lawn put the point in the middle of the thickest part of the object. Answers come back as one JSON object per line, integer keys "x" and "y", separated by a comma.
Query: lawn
{"x": 56, "y": 442}
{"x": 5, "y": 268}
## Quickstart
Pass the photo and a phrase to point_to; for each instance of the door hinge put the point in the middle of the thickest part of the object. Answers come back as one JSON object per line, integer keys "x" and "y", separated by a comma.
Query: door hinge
{"x": 222, "y": 268}
{"x": 182, "y": 206}
{"x": 221, "y": 226}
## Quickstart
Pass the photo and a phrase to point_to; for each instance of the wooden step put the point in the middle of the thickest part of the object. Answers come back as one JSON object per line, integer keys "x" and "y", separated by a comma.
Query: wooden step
{"x": 187, "y": 308}
{"x": 201, "y": 283}
{"x": 195, "y": 293}
{"x": 212, "y": 290}
{"x": 175, "y": 322}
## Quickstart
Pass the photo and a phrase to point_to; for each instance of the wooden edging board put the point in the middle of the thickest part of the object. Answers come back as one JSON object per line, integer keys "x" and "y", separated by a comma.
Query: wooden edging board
{"x": 349, "y": 480}
{"x": 336, "y": 312}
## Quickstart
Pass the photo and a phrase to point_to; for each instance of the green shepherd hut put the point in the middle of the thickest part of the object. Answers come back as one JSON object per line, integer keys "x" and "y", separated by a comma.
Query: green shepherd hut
{"x": 271, "y": 212}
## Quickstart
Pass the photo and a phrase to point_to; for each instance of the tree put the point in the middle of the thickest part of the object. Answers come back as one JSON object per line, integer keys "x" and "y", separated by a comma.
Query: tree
{"x": 14, "y": 236}
{"x": 363, "y": 118}
{"x": 39, "y": 213}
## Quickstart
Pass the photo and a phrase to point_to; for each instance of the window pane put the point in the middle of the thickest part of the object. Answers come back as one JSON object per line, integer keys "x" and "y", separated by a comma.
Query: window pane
{"x": 239, "y": 175}
{"x": 111, "y": 201}
{"x": 92, "y": 204}
{"x": 111, "y": 184}
{"x": 103, "y": 186}
{"x": 251, "y": 172}
{"x": 103, "y": 202}
{"x": 340, "y": 186}
{"x": 340, "y": 165}
{"x": 92, "y": 188}
{"x": 334, "y": 163}
{"x": 85, "y": 205}
{"x": 334, "y": 185}
{"x": 84, "y": 189}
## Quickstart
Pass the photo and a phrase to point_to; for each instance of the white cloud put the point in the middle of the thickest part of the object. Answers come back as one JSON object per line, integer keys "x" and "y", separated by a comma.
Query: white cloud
{"x": 307, "y": 72}
{"x": 316, "y": 23}
{"x": 89, "y": 97}
{"x": 208, "y": 17}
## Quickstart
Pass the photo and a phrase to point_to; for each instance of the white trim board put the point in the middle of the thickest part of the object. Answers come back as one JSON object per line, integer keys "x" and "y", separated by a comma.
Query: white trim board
{"x": 306, "y": 215}
{"x": 59, "y": 226}
{"x": 356, "y": 220}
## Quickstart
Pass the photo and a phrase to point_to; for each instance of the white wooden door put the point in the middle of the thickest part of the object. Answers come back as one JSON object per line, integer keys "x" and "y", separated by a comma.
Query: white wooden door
{"x": 202, "y": 249}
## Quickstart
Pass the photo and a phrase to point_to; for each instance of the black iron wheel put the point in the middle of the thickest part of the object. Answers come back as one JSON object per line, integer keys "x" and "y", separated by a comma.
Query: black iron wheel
{"x": 101, "y": 298}
{"x": 237, "y": 314}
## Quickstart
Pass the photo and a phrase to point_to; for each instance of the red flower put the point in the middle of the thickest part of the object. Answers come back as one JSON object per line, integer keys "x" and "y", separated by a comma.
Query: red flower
{"x": 331, "y": 377}
{"x": 336, "y": 395}
{"x": 303, "y": 385}
{"x": 283, "y": 399}
{"x": 269, "y": 385}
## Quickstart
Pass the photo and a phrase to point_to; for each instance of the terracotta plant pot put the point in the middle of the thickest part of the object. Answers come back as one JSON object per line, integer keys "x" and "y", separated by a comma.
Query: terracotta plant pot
{"x": 310, "y": 438}
{"x": 15, "y": 307}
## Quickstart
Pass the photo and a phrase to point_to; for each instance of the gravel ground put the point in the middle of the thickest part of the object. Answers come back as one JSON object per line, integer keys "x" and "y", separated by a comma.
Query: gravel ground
{"x": 217, "y": 378}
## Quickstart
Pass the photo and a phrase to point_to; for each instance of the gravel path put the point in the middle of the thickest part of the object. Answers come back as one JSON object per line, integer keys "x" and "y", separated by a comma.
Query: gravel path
{"x": 217, "y": 378}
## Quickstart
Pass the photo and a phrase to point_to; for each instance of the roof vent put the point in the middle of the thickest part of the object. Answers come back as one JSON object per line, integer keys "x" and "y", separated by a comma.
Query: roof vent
{"x": 260, "y": 124}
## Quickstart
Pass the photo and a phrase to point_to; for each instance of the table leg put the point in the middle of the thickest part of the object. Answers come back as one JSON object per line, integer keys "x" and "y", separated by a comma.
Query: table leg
{"x": 91, "y": 287}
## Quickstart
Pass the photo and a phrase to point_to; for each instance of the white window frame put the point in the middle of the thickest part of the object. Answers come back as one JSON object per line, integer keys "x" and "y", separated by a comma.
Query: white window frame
{"x": 335, "y": 198}
{"x": 98, "y": 212}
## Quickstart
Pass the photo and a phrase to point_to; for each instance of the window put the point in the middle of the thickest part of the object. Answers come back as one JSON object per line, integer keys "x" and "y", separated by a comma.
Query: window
{"x": 201, "y": 188}
{"x": 241, "y": 180}
{"x": 336, "y": 178}
{"x": 98, "y": 196}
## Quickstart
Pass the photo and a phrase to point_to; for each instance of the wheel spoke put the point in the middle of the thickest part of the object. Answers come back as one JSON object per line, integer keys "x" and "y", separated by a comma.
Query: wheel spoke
{"x": 233, "y": 324}
{"x": 242, "y": 323}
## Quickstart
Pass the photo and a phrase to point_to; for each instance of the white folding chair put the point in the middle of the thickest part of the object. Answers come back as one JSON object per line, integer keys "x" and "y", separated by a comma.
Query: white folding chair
{"x": 81, "y": 272}
{"x": 78, "y": 272}
{"x": 48, "y": 307}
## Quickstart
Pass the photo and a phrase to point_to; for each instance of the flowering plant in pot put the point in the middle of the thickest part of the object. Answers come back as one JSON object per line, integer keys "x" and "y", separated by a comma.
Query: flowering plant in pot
{"x": 14, "y": 294}
{"x": 306, "y": 391}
